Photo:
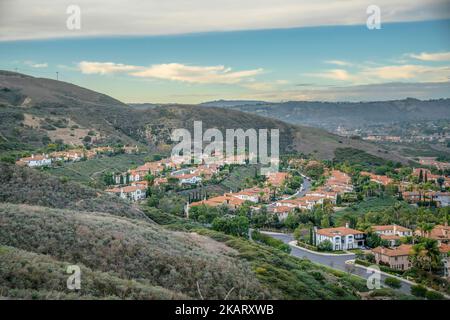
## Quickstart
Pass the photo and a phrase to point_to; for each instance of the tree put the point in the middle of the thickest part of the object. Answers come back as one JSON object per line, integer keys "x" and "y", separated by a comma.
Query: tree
{"x": 237, "y": 225}
{"x": 325, "y": 245}
{"x": 373, "y": 240}
{"x": 440, "y": 182}
{"x": 426, "y": 255}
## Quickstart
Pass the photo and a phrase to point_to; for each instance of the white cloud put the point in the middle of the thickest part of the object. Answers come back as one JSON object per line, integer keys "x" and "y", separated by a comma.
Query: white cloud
{"x": 409, "y": 72}
{"x": 333, "y": 74}
{"x": 89, "y": 67}
{"x": 39, "y": 19}
{"x": 36, "y": 65}
{"x": 438, "y": 56}
{"x": 338, "y": 62}
{"x": 367, "y": 74}
{"x": 173, "y": 71}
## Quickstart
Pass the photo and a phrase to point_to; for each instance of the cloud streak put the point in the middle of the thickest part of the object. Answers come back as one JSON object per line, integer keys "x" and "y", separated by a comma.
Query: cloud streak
{"x": 173, "y": 71}
{"x": 43, "y": 19}
{"x": 438, "y": 56}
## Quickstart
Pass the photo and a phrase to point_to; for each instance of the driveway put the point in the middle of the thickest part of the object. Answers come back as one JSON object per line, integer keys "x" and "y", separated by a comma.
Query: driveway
{"x": 334, "y": 261}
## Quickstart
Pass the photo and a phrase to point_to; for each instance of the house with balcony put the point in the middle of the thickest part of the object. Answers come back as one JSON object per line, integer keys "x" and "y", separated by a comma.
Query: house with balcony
{"x": 342, "y": 238}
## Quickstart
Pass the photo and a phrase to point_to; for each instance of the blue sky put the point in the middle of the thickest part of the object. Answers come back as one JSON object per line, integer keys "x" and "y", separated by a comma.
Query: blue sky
{"x": 337, "y": 63}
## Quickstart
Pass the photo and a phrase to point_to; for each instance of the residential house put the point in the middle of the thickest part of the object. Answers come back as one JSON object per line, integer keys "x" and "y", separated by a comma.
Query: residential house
{"x": 188, "y": 178}
{"x": 246, "y": 196}
{"x": 392, "y": 233}
{"x": 35, "y": 161}
{"x": 342, "y": 238}
{"x": 232, "y": 202}
{"x": 384, "y": 180}
{"x": 440, "y": 233}
{"x": 132, "y": 193}
{"x": 395, "y": 258}
{"x": 282, "y": 211}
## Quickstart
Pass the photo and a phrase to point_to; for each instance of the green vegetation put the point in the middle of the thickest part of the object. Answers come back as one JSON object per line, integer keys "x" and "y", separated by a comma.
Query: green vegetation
{"x": 132, "y": 249}
{"x": 419, "y": 291}
{"x": 393, "y": 282}
{"x": 291, "y": 277}
{"x": 28, "y": 186}
{"x": 358, "y": 157}
{"x": 325, "y": 246}
{"x": 92, "y": 171}
{"x": 27, "y": 275}
{"x": 270, "y": 241}
{"x": 233, "y": 225}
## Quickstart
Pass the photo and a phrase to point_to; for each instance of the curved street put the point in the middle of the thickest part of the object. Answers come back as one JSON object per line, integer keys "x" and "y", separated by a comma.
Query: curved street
{"x": 334, "y": 261}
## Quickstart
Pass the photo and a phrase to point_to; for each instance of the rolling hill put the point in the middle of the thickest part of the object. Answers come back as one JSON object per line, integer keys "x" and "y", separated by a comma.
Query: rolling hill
{"x": 330, "y": 115}
{"x": 34, "y": 111}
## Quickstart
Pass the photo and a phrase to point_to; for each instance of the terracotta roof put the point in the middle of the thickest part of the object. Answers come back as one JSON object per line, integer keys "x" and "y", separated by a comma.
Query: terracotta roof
{"x": 402, "y": 250}
{"x": 36, "y": 157}
{"x": 444, "y": 248}
{"x": 389, "y": 237}
{"x": 126, "y": 189}
{"x": 390, "y": 227}
{"x": 340, "y": 231}
{"x": 282, "y": 209}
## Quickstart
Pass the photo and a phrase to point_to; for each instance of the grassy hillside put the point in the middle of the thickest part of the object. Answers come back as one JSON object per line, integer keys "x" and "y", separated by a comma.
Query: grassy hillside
{"x": 28, "y": 275}
{"x": 30, "y": 186}
{"x": 131, "y": 249}
{"x": 33, "y": 110}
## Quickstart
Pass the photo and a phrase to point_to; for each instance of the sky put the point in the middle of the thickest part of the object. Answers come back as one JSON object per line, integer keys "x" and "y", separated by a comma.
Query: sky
{"x": 195, "y": 51}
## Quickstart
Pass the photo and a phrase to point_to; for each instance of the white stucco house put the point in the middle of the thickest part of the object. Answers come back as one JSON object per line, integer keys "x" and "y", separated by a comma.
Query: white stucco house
{"x": 35, "y": 161}
{"x": 342, "y": 238}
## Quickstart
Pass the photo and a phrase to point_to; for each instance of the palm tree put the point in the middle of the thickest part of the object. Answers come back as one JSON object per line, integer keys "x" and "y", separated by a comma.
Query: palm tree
{"x": 432, "y": 252}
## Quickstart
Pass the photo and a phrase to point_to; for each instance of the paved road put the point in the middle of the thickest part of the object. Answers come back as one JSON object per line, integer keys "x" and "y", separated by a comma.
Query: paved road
{"x": 335, "y": 261}
{"x": 306, "y": 186}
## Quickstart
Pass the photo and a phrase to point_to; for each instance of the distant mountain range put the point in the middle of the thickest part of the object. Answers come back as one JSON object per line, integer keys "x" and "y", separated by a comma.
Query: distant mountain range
{"x": 330, "y": 115}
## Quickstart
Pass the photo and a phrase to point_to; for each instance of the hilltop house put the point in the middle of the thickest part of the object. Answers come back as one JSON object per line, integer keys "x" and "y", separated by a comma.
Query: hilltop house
{"x": 188, "y": 178}
{"x": 35, "y": 161}
{"x": 133, "y": 193}
{"x": 231, "y": 202}
{"x": 384, "y": 180}
{"x": 342, "y": 238}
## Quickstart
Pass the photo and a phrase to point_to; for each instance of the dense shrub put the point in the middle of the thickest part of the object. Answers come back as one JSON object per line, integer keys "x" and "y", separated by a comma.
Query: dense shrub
{"x": 419, "y": 291}
{"x": 434, "y": 295}
{"x": 270, "y": 241}
{"x": 393, "y": 282}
